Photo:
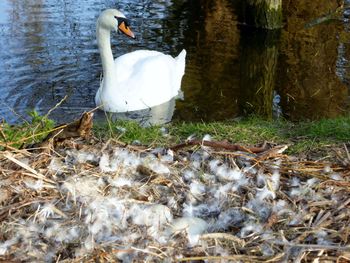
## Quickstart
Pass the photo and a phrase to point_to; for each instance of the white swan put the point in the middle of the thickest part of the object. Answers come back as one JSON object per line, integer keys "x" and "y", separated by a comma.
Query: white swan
{"x": 136, "y": 80}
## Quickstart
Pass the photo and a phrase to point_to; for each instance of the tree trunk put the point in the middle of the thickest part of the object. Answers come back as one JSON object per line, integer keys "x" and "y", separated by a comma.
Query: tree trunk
{"x": 263, "y": 13}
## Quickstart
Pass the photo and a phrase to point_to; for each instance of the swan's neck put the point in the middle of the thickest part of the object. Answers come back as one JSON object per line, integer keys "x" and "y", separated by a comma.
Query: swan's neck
{"x": 104, "y": 45}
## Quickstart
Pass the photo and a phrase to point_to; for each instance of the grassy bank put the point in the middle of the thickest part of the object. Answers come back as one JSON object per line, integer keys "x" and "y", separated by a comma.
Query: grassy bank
{"x": 301, "y": 137}
{"x": 18, "y": 136}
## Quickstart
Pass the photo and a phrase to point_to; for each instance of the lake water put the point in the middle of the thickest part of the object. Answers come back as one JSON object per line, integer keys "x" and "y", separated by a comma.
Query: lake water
{"x": 48, "y": 51}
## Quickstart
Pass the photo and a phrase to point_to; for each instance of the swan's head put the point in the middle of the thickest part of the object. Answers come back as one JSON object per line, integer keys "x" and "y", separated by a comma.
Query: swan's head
{"x": 113, "y": 19}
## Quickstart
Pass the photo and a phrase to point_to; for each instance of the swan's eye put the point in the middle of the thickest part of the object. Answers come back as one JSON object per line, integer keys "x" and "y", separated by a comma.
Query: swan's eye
{"x": 123, "y": 26}
{"x": 122, "y": 20}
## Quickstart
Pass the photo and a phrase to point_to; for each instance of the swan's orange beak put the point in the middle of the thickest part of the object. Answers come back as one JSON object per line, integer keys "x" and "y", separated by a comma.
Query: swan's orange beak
{"x": 126, "y": 30}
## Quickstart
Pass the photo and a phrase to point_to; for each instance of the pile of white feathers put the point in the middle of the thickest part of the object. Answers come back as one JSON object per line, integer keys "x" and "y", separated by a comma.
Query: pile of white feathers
{"x": 126, "y": 205}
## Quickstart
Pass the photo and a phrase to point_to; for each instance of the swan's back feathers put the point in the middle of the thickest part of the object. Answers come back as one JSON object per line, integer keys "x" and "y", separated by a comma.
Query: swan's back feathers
{"x": 144, "y": 79}
{"x": 180, "y": 68}
{"x": 182, "y": 56}
{"x": 127, "y": 64}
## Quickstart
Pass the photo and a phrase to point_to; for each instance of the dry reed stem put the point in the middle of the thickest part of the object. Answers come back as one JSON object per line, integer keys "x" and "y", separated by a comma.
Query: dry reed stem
{"x": 56, "y": 106}
{"x": 311, "y": 246}
{"x": 146, "y": 251}
{"x": 225, "y": 236}
{"x": 13, "y": 149}
{"x": 38, "y": 134}
{"x": 32, "y": 173}
{"x": 233, "y": 257}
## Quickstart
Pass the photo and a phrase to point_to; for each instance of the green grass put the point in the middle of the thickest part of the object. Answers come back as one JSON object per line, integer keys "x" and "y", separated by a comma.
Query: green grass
{"x": 248, "y": 131}
{"x": 330, "y": 129}
{"x": 26, "y": 133}
{"x": 303, "y": 136}
{"x": 251, "y": 131}
{"x": 129, "y": 132}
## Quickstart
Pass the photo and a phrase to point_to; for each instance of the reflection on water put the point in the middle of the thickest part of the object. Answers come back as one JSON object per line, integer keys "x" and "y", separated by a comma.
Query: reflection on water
{"x": 308, "y": 84}
{"x": 48, "y": 50}
{"x": 211, "y": 81}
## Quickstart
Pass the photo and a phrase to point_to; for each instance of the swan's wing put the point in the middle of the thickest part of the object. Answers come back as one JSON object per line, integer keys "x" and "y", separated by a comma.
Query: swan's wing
{"x": 148, "y": 78}
{"x": 126, "y": 64}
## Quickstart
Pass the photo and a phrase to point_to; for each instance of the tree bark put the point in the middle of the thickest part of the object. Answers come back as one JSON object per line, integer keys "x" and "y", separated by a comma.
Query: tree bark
{"x": 265, "y": 14}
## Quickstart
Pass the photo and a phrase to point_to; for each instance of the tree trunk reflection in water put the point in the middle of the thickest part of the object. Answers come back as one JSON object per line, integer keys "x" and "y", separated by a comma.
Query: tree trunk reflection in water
{"x": 308, "y": 84}
{"x": 259, "y": 55}
{"x": 212, "y": 73}
{"x": 234, "y": 70}
{"x": 262, "y": 13}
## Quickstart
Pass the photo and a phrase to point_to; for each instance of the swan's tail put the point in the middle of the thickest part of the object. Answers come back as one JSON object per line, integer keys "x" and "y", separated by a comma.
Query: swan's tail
{"x": 181, "y": 58}
{"x": 180, "y": 68}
